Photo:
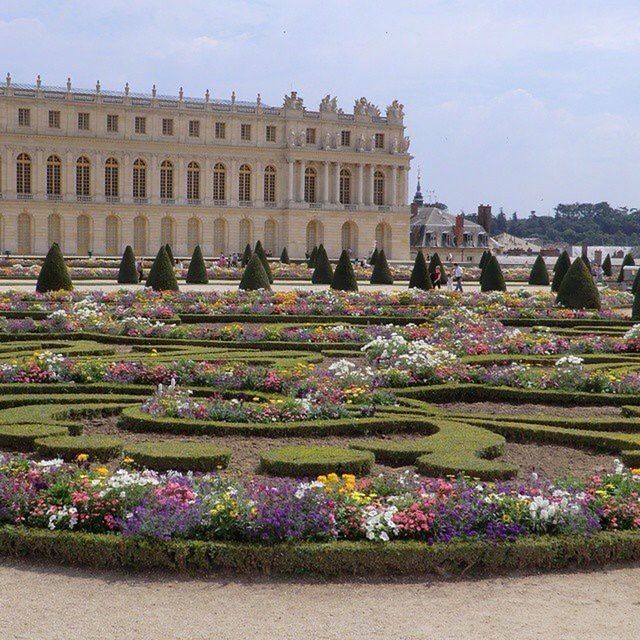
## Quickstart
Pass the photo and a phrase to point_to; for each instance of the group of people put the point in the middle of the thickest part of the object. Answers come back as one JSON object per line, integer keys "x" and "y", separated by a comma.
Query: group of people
{"x": 453, "y": 277}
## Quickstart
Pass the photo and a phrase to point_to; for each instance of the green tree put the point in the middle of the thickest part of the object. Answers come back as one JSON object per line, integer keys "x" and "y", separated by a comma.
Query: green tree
{"x": 263, "y": 258}
{"x": 162, "y": 275}
{"x": 606, "y": 266}
{"x": 323, "y": 272}
{"x": 539, "y": 273}
{"x": 197, "y": 273}
{"x": 246, "y": 256}
{"x": 381, "y": 273}
{"x": 128, "y": 272}
{"x": 628, "y": 261}
{"x": 311, "y": 262}
{"x": 54, "y": 274}
{"x": 436, "y": 262}
{"x": 284, "y": 257}
{"x": 491, "y": 278}
{"x": 254, "y": 276}
{"x": 635, "y": 287}
{"x": 420, "y": 274}
{"x": 374, "y": 256}
{"x": 578, "y": 290}
{"x": 344, "y": 279}
{"x": 635, "y": 311}
{"x": 563, "y": 263}
{"x": 170, "y": 254}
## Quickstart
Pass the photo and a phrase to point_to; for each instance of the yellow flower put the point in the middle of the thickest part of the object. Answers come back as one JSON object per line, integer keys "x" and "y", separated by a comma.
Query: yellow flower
{"x": 82, "y": 457}
{"x": 128, "y": 460}
{"x": 102, "y": 471}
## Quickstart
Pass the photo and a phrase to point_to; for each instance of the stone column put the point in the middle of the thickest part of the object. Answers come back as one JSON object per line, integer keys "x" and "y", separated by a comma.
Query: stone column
{"x": 359, "y": 193}
{"x": 68, "y": 178}
{"x": 153, "y": 190}
{"x": 126, "y": 179}
{"x": 233, "y": 176}
{"x": 325, "y": 182}
{"x": 98, "y": 176}
{"x": 372, "y": 170}
{"x": 290, "y": 180}
{"x": 206, "y": 186}
{"x": 257, "y": 177}
{"x": 336, "y": 177}
{"x": 393, "y": 187}
{"x": 180, "y": 187}
{"x": 39, "y": 174}
{"x": 303, "y": 166}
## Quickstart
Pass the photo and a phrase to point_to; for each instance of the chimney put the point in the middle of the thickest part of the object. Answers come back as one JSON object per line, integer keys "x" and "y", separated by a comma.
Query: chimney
{"x": 484, "y": 217}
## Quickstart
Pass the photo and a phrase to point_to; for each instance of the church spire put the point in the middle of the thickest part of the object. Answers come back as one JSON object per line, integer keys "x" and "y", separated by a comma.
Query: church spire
{"x": 417, "y": 198}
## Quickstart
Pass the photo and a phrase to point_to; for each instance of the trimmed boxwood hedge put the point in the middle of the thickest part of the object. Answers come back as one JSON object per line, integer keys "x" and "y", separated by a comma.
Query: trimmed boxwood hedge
{"x": 311, "y": 461}
{"x": 102, "y": 448}
{"x": 178, "y": 456}
{"x": 22, "y": 437}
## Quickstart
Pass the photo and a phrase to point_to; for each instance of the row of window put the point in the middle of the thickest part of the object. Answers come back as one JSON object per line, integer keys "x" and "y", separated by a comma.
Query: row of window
{"x": 139, "y": 180}
{"x": 220, "y": 132}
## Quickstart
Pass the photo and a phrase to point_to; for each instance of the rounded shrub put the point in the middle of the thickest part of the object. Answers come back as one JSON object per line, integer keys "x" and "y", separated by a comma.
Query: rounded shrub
{"x": 628, "y": 261}
{"x": 284, "y": 256}
{"x": 68, "y": 448}
{"x": 162, "y": 276}
{"x": 170, "y": 253}
{"x": 54, "y": 274}
{"x": 381, "y": 273}
{"x": 310, "y": 461}
{"x": 311, "y": 262}
{"x": 246, "y": 256}
{"x": 259, "y": 251}
{"x": 606, "y": 266}
{"x": 374, "y": 256}
{"x": 167, "y": 455}
{"x": 21, "y": 437}
{"x": 128, "y": 272}
{"x": 539, "y": 274}
{"x": 491, "y": 278}
{"x": 563, "y": 263}
{"x": 344, "y": 279}
{"x": 420, "y": 274}
{"x": 323, "y": 272}
{"x": 254, "y": 276}
{"x": 578, "y": 290}
{"x": 197, "y": 273}
{"x": 436, "y": 262}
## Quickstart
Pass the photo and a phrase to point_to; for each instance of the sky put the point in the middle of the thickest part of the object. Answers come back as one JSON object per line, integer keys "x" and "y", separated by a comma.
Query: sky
{"x": 517, "y": 104}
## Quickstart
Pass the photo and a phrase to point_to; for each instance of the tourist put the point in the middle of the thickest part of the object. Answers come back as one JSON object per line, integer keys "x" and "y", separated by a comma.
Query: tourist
{"x": 140, "y": 269}
{"x": 436, "y": 278}
{"x": 457, "y": 276}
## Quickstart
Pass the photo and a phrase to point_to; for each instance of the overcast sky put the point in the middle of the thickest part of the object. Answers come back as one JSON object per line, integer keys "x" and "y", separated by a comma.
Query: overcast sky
{"x": 520, "y": 104}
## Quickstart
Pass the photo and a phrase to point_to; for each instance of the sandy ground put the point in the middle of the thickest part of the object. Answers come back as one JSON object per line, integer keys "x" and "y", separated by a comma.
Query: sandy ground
{"x": 48, "y": 603}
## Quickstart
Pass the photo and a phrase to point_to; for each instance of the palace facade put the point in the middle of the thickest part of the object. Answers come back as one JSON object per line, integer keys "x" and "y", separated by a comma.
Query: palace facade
{"x": 97, "y": 170}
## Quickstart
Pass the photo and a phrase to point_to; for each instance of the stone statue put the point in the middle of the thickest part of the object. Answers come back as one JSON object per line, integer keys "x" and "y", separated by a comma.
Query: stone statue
{"x": 291, "y": 138}
{"x": 363, "y": 107}
{"x": 360, "y": 143}
{"x": 404, "y": 144}
{"x": 395, "y": 110}
{"x": 329, "y": 104}
{"x": 292, "y": 101}
{"x": 327, "y": 141}
{"x": 394, "y": 145}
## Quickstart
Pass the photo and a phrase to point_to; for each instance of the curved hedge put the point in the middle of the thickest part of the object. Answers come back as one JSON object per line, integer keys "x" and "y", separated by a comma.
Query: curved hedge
{"x": 312, "y": 461}
{"x": 102, "y": 448}
{"x": 178, "y": 456}
{"x": 22, "y": 437}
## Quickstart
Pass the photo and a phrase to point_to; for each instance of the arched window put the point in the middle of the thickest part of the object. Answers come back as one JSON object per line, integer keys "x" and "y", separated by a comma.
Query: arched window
{"x": 345, "y": 187}
{"x": 166, "y": 180}
{"x": 245, "y": 234}
{"x": 193, "y": 234}
{"x": 54, "y": 169}
{"x": 23, "y": 174}
{"x": 315, "y": 233}
{"x": 25, "y": 234}
{"x": 140, "y": 236}
{"x": 219, "y": 237}
{"x": 83, "y": 235}
{"x": 111, "y": 189}
{"x": 270, "y": 184}
{"x": 83, "y": 176}
{"x": 310, "y": 176}
{"x": 168, "y": 231}
{"x": 54, "y": 230}
{"x": 244, "y": 183}
{"x": 378, "y": 188}
{"x": 193, "y": 181}
{"x": 219, "y": 182}
{"x": 271, "y": 237}
{"x": 383, "y": 238}
{"x": 139, "y": 178}
{"x": 350, "y": 238}
{"x": 112, "y": 236}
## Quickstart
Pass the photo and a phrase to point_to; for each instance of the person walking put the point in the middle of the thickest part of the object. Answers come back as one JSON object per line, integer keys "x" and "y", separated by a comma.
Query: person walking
{"x": 436, "y": 278}
{"x": 457, "y": 276}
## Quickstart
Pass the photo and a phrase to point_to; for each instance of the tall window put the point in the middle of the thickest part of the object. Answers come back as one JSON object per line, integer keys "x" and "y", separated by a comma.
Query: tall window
{"x": 219, "y": 180}
{"x": 83, "y": 173}
{"x": 111, "y": 178}
{"x": 244, "y": 183}
{"x": 24, "y": 117}
{"x": 54, "y": 167}
{"x": 193, "y": 181}
{"x": 112, "y": 123}
{"x": 83, "y": 122}
{"x": 139, "y": 179}
{"x": 345, "y": 187}
{"x": 310, "y": 136}
{"x": 245, "y": 132}
{"x": 378, "y": 187}
{"x": 345, "y": 138}
{"x": 309, "y": 185}
{"x": 166, "y": 180}
{"x": 23, "y": 174}
{"x": 54, "y": 119}
{"x": 221, "y": 130}
{"x": 167, "y": 126}
{"x": 270, "y": 184}
{"x": 140, "y": 124}
{"x": 270, "y": 133}
{"x": 194, "y": 128}
{"x": 378, "y": 141}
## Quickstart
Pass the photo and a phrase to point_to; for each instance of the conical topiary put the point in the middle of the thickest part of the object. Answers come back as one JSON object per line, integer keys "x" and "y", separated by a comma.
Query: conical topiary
{"x": 420, "y": 274}
{"x": 54, "y": 274}
{"x": 197, "y": 273}
{"x": 578, "y": 290}
{"x": 436, "y": 262}
{"x": 635, "y": 287}
{"x": 539, "y": 273}
{"x": 563, "y": 263}
{"x": 323, "y": 272}
{"x": 635, "y": 311}
{"x": 311, "y": 262}
{"x": 170, "y": 253}
{"x": 606, "y": 266}
{"x": 483, "y": 258}
{"x": 492, "y": 278}
{"x": 128, "y": 272}
{"x": 587, "y": 262}
{"x": 374, "y": 256}
{"x": 284, "y": 257}
{"x": 344, "y": 279}
{"x": 628, "y": 261}
{"x": 381, "y": 272}
{"x": 254, "y": 276}
{"x": 246, "y": 256}
{"x": 162, "y": 276}
{"x": 259, "y": 251}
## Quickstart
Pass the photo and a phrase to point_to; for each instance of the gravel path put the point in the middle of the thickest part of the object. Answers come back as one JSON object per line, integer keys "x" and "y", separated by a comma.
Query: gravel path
{"x": 48, "y": 603}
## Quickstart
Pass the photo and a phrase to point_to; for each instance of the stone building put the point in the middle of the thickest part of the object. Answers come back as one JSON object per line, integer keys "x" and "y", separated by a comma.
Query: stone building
{"x": 95, "y": 170}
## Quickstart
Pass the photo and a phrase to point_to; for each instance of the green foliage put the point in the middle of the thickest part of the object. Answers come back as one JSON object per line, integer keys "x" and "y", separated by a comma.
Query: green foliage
{"x": 635, "y": 287}
{"x": 539, "y": 274}
{"x": 178, "y": 456}
{"x": 587, "y": 262}
{"x": 635, "y": 312}
{"x": 436, "y": 262}
{"x": 170, "y": 253}
{"x": 578, "y": 290}
{"x": 259, "y": 251}
{"x": 491, "y": 278}
{"x": 344, "y": 279}
{"x": 311, "y": 262}
{"x": 21, "y": 437}
{"x": 254, "y": 276}
{"x": 323, "y": 272}
{"x": 128, "y": 272}
{"x": 311, "y": 461}
{"x": 197, "y": 273}
{"x": 374, "y": 256}
{"x": 284, "y": 256}
{"x": 563, "y": 263}
{"x": 68, "y": 448}
{"x": 246, "y": 256}
{"x": 420, "y": 274}
{"x": 381, "y": 272}
{"x": 54, "y": 274}
{"x": 628, "y": 261}
{"x": 162, "y": 275}
{"x": 606, "y": 266}
{"x": 483, "y": 259}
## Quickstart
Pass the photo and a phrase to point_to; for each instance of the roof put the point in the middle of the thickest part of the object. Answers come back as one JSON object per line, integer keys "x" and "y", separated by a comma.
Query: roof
{"x": 509, "y": 242}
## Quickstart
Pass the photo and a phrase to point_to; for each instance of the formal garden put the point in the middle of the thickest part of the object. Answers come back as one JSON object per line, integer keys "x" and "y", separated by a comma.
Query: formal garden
{"x": 333, "y": 432}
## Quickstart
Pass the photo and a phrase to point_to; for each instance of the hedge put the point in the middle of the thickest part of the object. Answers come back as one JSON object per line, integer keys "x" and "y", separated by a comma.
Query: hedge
{"x": 178, "y": 456}
{"x": 22, "y": 437}
{"x": 101, "y": 448}
{"x": 312, "y": 461}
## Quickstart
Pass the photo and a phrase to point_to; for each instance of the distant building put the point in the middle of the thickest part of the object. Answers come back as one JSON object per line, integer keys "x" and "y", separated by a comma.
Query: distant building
{"x": 514, "y": 246}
